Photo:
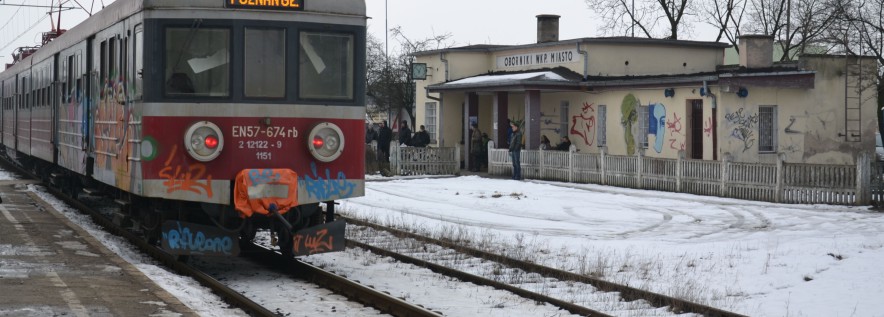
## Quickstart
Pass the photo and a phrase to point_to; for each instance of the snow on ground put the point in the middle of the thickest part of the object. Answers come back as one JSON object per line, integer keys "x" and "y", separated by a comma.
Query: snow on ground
{"x": 755, "y": 258}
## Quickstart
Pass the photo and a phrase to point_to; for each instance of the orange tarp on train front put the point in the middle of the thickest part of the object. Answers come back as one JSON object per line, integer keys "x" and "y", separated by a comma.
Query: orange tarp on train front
{"x": 256, "y": 189}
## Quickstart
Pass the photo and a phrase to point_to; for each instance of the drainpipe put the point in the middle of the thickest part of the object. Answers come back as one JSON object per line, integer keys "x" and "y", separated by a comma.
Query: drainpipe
{"x": 585, "y": 60}
{"x": 444, "y": 61}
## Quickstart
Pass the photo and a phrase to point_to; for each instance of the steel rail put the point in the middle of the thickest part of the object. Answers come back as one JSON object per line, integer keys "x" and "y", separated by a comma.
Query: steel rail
{"x": 628, "y": 293}
{"x": 229, "y": 295}
{"x": 348, "y": 288}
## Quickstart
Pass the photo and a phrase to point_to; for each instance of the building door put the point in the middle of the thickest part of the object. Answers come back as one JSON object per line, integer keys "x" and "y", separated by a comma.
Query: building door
{"x": 695, "y": 129}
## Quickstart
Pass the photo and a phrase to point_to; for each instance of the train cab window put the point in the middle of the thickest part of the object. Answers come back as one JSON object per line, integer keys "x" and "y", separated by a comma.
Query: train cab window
{"x": 197, "y": 62}
{"x": 264, "y": 63}
{"x": 326, "y": 65}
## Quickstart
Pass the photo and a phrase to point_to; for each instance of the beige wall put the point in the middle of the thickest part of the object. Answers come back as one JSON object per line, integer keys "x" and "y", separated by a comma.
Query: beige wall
{"x": 610, "y": 60}
{"x": 809, "y": 127}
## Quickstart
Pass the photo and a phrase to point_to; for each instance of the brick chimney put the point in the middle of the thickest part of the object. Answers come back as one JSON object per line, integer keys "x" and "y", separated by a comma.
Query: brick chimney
{"x": 756, "y": 51}
{"x": 547, "y": 28}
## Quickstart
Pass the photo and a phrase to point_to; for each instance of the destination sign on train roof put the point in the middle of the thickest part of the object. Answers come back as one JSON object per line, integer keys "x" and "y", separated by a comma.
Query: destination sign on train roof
{"x": 296, "y": 5}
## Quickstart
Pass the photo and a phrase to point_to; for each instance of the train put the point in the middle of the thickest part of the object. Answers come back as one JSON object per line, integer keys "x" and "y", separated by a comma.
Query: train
{"x": 204, "y": 120}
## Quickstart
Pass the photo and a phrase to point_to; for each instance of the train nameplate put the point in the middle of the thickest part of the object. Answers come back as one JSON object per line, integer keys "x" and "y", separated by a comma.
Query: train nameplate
{"x": 183, "y": 238}
{"x": 291, "y": 5}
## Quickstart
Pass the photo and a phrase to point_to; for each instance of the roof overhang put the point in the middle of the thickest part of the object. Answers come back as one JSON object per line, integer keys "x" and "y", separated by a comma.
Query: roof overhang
{"x": 792, "y": 79}
{"x": 538, "y": 80}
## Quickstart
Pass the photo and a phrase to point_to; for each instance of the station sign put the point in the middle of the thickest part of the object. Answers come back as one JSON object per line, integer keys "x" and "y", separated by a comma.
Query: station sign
{"x": 540, "y": 58}
{"x": 291, "y": 5}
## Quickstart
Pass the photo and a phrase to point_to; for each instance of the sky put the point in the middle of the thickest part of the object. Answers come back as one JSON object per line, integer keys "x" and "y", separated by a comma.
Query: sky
{"x": 468, "y": 22}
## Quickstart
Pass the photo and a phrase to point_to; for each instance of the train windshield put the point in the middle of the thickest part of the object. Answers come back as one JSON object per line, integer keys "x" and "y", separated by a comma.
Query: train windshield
{"x": 197, "y": 62}
{"x": 326, "y": 65}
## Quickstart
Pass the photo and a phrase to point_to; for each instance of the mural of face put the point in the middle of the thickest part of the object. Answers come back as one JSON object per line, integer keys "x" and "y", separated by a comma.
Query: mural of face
{"x": 658, "y": 125}
{"x": 629, "y": 116}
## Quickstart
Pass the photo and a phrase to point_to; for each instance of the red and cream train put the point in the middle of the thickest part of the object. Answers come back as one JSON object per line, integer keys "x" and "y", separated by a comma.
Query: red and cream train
{"x": 206, "y": 119}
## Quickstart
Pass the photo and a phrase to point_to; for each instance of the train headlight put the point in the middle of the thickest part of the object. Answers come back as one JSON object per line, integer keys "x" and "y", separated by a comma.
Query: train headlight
{"x": 326, "y": 142}
{"x": 204, "y": 141}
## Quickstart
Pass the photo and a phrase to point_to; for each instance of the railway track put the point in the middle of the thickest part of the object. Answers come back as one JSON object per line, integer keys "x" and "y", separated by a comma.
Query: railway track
{"x": 426, "y": 246}
{"x": 353, "y": 291}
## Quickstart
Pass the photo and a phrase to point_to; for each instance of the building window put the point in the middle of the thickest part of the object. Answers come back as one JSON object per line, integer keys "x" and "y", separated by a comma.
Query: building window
{"x": 767, "y": 129}
{"x": 644, "y": 123}
{"x": 264, "y": 63}
{"x": 563, "y": 119}
{"x": 430, "y": 120}
{"x": 602, "y": 126}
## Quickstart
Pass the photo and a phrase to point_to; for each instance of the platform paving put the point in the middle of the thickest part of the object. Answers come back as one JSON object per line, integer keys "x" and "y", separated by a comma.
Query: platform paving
{"x": 51, "y": 267}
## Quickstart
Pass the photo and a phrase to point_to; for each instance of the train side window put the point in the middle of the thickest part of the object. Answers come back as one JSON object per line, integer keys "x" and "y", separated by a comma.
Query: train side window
{"x": 69, "y": 79}
{"x": 326, "y": 65}
{"x": 78, "y": 73}
{"x": 264, "y": 73}
{"x": 111, "y": 62}
{"x": 197, "y": 62}
{"x": 137, "y": 73}
{"x": 102, "y": 73}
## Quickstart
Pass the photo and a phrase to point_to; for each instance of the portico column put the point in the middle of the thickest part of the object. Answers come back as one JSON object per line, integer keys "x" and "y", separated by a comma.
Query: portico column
{"x": 470, "y": 108}
{"x": 532, "y": 120}
{"x": 500, "y": 120}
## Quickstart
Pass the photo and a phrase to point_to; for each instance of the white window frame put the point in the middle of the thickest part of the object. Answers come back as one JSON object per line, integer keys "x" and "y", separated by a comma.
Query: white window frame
{"x": 644, "y": 124}
{"x": 430, "y": 120}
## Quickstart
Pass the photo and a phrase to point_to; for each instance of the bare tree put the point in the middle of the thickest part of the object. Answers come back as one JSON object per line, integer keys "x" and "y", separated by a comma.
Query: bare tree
{"x": 796, "y": 25}
{"x": 859, "y": 30}
{"x": 726, "y": 16}
{"x": 388, "y": 80}
{"x": 625, "y": 17}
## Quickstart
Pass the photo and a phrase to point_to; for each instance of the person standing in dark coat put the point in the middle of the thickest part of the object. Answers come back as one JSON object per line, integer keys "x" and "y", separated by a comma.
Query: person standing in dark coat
{"x": 516, "y": 150}
{"x": 475, "y": 147}
{"x": 421, "y": 138}
{"x": 404, "y": 134}
{"x": 565, "y": 145}
{"x": 385, "y": 135}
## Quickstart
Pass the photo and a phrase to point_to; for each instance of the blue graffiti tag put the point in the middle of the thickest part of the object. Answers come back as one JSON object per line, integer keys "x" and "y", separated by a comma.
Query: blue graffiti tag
{"x": 185, "y": 239}
{"x": 328, "y": 188}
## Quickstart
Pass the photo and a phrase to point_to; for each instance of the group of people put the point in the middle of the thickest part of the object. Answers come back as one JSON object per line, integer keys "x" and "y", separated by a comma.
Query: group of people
{"x": 478, "y": 144}
{"x": 384, "y": 135}
{"x": 564, "y": 144}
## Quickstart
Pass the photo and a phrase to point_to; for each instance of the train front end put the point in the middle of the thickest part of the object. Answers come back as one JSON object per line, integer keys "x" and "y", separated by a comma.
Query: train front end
{"x": 253, "y": 114}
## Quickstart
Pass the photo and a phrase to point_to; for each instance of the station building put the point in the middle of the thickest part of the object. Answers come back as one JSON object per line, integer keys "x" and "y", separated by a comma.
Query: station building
{"x": 653, "y": 97}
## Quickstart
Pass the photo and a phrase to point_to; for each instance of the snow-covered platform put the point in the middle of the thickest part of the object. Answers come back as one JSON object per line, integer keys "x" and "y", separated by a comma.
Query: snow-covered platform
{"x": 51, "y": 267}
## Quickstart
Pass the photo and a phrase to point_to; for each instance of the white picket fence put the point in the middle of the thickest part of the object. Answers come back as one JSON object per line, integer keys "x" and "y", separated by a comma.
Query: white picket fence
{"x": 781, "y": 182}
{"x": 409, "y": 160}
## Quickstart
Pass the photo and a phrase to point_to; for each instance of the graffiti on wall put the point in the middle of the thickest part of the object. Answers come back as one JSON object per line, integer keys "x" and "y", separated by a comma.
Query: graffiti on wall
{"x": 628, "y": 118}
{"x": 583, "y": 124}
{"x": 675, "y": 130}
{"x": 657, "y": 124}
{"x": 744, "y": 127}
{"x": 789, "y": 129}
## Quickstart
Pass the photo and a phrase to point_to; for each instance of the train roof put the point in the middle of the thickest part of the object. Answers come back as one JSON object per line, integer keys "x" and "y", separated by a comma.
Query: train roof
{"x": 122, "y": 9}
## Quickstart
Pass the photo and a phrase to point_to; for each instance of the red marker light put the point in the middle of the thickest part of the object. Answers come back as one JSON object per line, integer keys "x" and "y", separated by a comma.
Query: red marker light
{"x": 211, "y": 141}
{"x": 318, "y": 142}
